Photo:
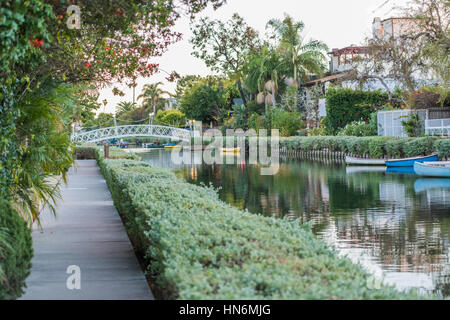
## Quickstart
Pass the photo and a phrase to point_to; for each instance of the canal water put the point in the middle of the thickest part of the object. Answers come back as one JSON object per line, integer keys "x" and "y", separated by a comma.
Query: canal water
{"x": 396, "y": 224}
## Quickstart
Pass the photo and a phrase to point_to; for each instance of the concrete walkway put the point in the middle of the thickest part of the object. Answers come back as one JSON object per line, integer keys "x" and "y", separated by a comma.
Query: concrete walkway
{"x": 87, "y": 232}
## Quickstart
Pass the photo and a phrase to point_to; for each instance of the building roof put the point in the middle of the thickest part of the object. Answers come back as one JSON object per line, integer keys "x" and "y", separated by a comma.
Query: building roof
{"x": 349, "y": 50}
{"x": 326, "y": 79}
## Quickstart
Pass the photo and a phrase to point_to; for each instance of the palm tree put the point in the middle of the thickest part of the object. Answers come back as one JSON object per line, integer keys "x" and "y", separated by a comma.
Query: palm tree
{"x": 264, "y": 70}
{"x": 152, "y": 94}
{"x": 300, "y": 57}
{"x": 124, "y": 107}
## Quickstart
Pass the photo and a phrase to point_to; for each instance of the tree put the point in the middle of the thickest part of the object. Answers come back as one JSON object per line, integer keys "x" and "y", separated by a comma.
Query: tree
{"x": 394, "y": 59}
{"x": 300, "y": 57}
{"x": 124, "y": 107}
{"x": 419, "y": 51}
{"x": 432, "y": 19}
{"x": 152, "y": 94}
{"x": 225, "y": 46}
{"x": 203, "y": 103}
{"x": 83, "y": 100}
{"x": 263, "y": 71}
{"x": 172, "y": 118}
{"x": 185, "y": 83}
{"x": 105, "y": 120}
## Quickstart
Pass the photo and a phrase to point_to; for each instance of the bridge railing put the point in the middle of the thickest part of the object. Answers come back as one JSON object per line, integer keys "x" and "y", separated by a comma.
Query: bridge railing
{"x": 132, "y": 131}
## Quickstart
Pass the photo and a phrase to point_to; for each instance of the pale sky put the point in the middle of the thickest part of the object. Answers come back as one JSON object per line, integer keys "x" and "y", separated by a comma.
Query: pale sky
{"x": 337, "y": 23}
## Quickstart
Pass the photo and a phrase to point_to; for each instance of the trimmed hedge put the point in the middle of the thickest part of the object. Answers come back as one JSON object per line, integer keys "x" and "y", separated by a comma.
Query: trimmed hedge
{"x": 375, "y": 147}
{"x": 443, "y": 148}
{"x": 84, "y": 153}
{"x": 198, "y": 247}
{"x": 346, "y": 105}
{"x": 16, "y": 251}
{"x": 118, "y": 153}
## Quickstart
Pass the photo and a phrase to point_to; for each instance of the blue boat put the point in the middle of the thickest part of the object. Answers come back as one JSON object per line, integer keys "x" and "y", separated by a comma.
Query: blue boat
{"x": 409, "y": 162}
{"x": 433, "y": 169}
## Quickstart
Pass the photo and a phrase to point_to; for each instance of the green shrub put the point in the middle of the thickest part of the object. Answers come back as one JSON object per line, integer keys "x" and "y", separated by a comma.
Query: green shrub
{"x": 321, "y": 131}
{"x": 287, "y": 122}
{"x": 419, "y": 146}
{"x": 395, "y": 148}
{"x": 366, "y": 128}
{"x": 348, "y": 105}
{"x": 85, "y": 153}
{"x": 16, "y": 251}
{"x": 171, "y": 118}
{"x": 258, "y": 122}
{"x": 442, "y": 146}
{"x": 375, "y": 147}
{"x": 316, "y": 132}
{"x": 413, "y": 125}
{"x": 255, "y": 107}
{"x": 198, "y": 247}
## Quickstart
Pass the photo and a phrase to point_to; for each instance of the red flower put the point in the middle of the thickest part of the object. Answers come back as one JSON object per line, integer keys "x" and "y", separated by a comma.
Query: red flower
{"x": 36, "y": 43}
{"x": 367, "y": 121}
{"x": 88, "y": 64}
{"x": 107, "y": 48}
{"x": 339, "y": 123}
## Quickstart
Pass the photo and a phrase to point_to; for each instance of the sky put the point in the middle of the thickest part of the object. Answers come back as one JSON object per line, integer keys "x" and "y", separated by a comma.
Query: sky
{"x": 337, "y": 23}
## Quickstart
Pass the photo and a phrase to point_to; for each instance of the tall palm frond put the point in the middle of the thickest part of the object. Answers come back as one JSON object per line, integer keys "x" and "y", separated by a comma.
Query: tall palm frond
{"x": 300, "y": 57}
{"x": 151, "y": 94}
{"x": 124, "y": 107}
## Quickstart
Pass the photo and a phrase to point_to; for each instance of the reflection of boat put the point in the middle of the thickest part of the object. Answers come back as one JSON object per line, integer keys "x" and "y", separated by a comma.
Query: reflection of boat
{"x": 362, "y": 169}
{"x": 230, "y": 150}
{"x": 409, "y": 162}
{"x": 171, "y": 146}
{"x": 365, "y": 162}
{"x": 401, "y": 170}
{"x": 424, "y": 184}
{"x": 154, "y": 146}
{"x": 433, "y": 169}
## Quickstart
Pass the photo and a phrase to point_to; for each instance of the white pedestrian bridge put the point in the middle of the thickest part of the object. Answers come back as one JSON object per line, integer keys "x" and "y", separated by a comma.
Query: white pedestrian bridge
{"x": 131, "y": 131}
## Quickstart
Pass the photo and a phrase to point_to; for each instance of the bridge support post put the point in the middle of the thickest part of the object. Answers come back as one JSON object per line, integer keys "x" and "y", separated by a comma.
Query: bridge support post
{"x": 106, "y": 150}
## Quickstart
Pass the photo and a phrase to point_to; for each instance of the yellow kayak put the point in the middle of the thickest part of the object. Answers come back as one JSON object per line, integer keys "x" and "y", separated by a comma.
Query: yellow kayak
{"x": 172, "y": 147}
{"x": 230, "y": 150}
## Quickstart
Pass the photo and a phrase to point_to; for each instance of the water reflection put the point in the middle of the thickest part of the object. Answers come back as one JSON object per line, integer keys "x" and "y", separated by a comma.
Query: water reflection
{"x": 394, "y": 223}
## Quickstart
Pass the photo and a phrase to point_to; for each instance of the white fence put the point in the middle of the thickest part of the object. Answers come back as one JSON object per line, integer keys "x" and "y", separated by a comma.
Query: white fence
{"x": 390, "y": 122}
{"x": 439, "y": 127}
